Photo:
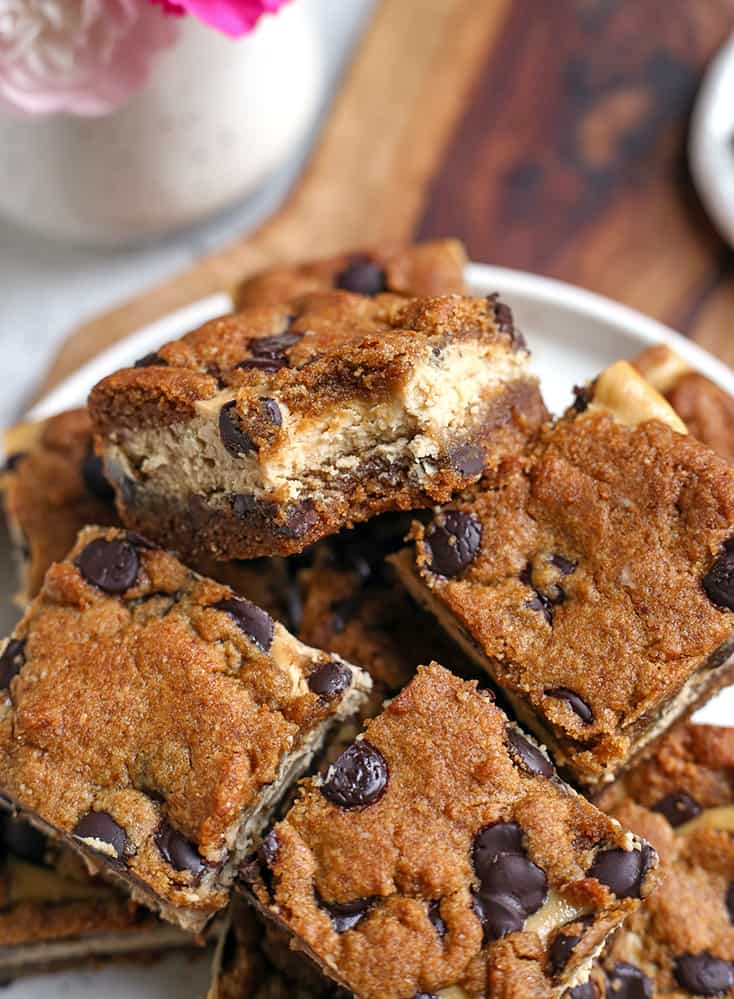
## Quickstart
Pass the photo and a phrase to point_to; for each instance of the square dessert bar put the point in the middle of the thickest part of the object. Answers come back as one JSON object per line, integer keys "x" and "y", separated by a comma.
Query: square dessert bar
{"x": 705, "y": 408}
{"x": 681, "y": 942}
{"x": 54, "y": 915}
{"x": 153, "y": 719}
{"x": 263, "y": 431}
{"x": 442, "y": 852}
{"x": 53, "y": 485}
{"x": 432, "y": 268}
{"x": 595, "y": 581}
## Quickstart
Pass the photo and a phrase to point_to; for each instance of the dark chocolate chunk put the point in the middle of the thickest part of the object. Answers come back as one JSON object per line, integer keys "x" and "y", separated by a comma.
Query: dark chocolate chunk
{"x": 468, "y": 460}
{"x": 577, "y": 704}
{"x": 434, "y": 915}
{"x": 719, "y": 580}
{"x": 530, "y": 756}
{"x": 622, "y": 871}
{"x": 94, "y": 477}
{"x": 358, "y": 777}
{"x": 563, "y": 564}
{"x": 272, "y": 412}
{"x": 678, "y": 807}
{"x": 110, "y": 565}
{"x": 234, "y": 438}
{"x": 729, "y": 901}
{"x": 13, "y": 460}
{"x": 150, "y": 361}
{"x": 177, "y": 851}
{"x": 24, "y": 840}
{"x": 703, "y": 974}
{"x": 346, "y": 915}
{"x": 101, "y": 826}
{"x": 11, "y": 661}
{"x": 274, "y": 346}
{"x": 560, "y": 950}
{"x": 256, "y": 623}
{"x": 581, "y": 398}
{"x": 274, "y": 363}
{"x": 454, "y": 542}
{"x": 330, "y": 679}
{"x": 363, "y": 277}
{"x": 628, "y": 982}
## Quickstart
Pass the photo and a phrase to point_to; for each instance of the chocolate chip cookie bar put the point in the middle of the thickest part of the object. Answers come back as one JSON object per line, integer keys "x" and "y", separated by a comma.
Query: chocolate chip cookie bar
{"x": 264, "y": 431}
{"x": 53, "y": 485}
{"x": 54, "y": 915}
{"x": 153, "y": 719}
{"x": 705, "y": 408}
{"x": 442, "y": 855}
{"x": 594, "y": 582}
{"x": 425, "y": 269}
{"x": 681, "y": 942}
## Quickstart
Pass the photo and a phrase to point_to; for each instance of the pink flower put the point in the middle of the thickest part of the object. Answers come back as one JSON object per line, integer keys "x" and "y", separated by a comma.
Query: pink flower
{"x": 86, "y": 57}
{"x": 233, "y": 17}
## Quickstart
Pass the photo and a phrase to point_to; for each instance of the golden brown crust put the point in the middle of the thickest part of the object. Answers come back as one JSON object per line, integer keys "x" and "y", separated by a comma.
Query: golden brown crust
{"x": 168, "y": 712}
{"x": 637, "y": 515}
{"x": 432, "y": 268}
{"x": 450, "y": 773}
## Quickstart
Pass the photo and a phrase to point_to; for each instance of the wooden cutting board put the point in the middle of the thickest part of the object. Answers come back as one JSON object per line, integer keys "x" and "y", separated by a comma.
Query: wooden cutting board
{"x": 549, "y": 136}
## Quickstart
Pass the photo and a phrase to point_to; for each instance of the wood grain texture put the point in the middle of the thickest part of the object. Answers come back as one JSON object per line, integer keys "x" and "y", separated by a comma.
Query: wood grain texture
{"x": 367, "y": 179}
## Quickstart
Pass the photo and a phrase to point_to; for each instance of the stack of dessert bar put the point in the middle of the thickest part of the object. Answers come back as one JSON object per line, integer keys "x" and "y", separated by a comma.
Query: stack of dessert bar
{"x": 337, "y": 648}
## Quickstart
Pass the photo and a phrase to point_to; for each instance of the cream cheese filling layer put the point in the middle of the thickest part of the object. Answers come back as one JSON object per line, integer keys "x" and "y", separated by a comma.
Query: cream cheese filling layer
{"x": 443, "y": 398}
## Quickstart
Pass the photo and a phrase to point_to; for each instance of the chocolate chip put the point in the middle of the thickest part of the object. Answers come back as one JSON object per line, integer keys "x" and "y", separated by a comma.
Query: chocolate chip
{"x": 94, "y": 477}
{"x": 362, "y": 277}
{"x": 493, "y": 841}
{"x": 234, "y": 438}
{"x": 454, "y": 542}
{"x": 274, "y": 363}
{"x": 249, "y": 871}
{"x": 256, "y": 623}
{"x": 342, "y": 612}
{"x": 13, "y": 460}
{"x": 177, "y": 851}
{"x": 585, "y": 991}
{"x": 101, "y": 826}
{"x": 468, "y": 460}
{"x": 150, "y": 361}
{"x": 531, "y": 757}
{"x": 22, "y": 839}
{"x": 11, "y": 661}
{"x": 498, "y": 914}
{"x": 300, "y": 518}
{"x": 346, "y": 915}
{"x": 703, "y": 974}
{"x": 560, "y": 950}
{"x": 678, "y": 807}
{"x": 269, "y": 849}
{"x": 330, "y": 679}
{"x": 272, "y": 412}
{"x": 543, "y": 602}
{"x": 274, "y": 346}
{"x": 628, "y": 982}
{"x": 517, "y": 877}
{"x": 622, "y": 871}
{"x": 729, "y": 901}
{"x": 582, "y": 398}
{"x": 539, "y": 602}
{"x": 358, "y": 777}
{"x": 425, "y": 995}
{"x": 434, "y": 915}
{"x": 511, "y": 886}
{"x": 563, "y": 564}
{"x": 110, "y": 565}
{"x": 577, "y": 704}
{"x": 719, "y": 580}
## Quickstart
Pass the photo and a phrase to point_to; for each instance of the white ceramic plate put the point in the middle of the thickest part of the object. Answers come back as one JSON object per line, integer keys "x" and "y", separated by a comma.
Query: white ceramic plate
{"x": 572, "y": 333}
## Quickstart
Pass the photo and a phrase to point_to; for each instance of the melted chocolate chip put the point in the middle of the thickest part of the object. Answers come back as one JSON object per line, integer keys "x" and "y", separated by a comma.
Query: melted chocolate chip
{"x": 577, "y": 704}
{"x": 94, "y": 477}
{"x": 729, "y": 901}
{"x": 454, "y": 543}
{"x": 703, "y": 974}
{"x": 272, "y": 412}
{"x": 101, "y": 826}
{"x": 719, "y": 580}
{"x": 511, "y": 886}
{"x": 358, "y": 777}
{"x": 514, "y": 876}
{"x": 628, "y": 982}
{"x": 256, "y": 623}
{"x": 177, "y": 851}
{"x": 582, "y": 398}
{"x": 112, "y": 566}
{"x": 150, "y": 361}
{"x": 434, "y": 915}
{"x": 498, "y": 914}
{"x": 362, "y": 277}
{"x": 13, "y": 460}
{"x": 563, "y": 564}
{"x": 561, "y": 949}
{"x": 346, "y": 915}
{"x": 468, "y": 460}
{"x": 678, "y": 807}
{"x": 22, "y": 839}
{"x": 530, "y": 756}
{"x": 11, "y": 661}
{"x": 234, "y": 438}
{"x": 622, "y": 871}
{"x": 330, "y": 680}
{"x": 494, "y": 840}
{"x": 274, "y": 346}
{"x": 274, "y": 363}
